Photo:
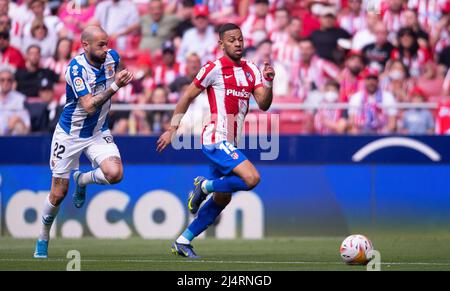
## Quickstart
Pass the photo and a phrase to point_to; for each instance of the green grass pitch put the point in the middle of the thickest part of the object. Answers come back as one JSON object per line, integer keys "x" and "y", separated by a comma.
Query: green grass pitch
{"x": 430, "y": 251}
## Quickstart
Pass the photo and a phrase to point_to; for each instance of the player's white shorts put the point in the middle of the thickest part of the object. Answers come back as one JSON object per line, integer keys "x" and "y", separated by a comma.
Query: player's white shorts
{"x": 66, "y": 151}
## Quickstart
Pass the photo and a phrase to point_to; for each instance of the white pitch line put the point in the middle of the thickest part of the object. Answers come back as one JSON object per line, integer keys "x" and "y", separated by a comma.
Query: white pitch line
{"x": 219, "y": 262}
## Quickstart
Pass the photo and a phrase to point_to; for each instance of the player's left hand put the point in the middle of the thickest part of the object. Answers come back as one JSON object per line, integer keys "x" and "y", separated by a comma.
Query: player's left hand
{"x": 268, "y": 71}
{"x": 165, "y": 139}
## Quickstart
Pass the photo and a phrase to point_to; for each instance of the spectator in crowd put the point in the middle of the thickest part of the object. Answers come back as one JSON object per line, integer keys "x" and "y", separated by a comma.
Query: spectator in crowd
{"x": 9, "y": 55}
{"x": 395, "y": 79}
{"x": 118, "y": 18}
{"x": 157, "y": 28}
{"x": 15, "y": 39}
{"x": 354, "y": 18}
{"x": 60, "y": 60}
{"x": 280, "y": 33}
{"x": 410, "y": 20}
{"x": 350, "y": 77}
{"x": 14, "y": 118}
{"x": 44, "y": 114}
{"x": 312, "y": 71}
{"x": 417, "y": 121}
{"x": 75, "y": 18}
{"x": 392, "y": 17}
{"x": 371, "y": 109}
{"x": 41, "y": 37}
{"x": 330, "y": 120}
{"x": 431, "y": 82}
{"x": 258, "y": 23}
{"x": 441, "y": 37}
{"x": 200, "y": 39}
{"x": 167, "y": 72}
{"x": 153, "y": 122}
{"x": 366, "y": 36}
{"x": 55, "y": 27}
{"x": 429, "y": 11}
{"x": 29, "y": 78}
{"x": 263, "y": 52}
{"x": 287, "y": 53}
{"x": 143, "y": 82}
{"x": 185, "y": 15}
{"x": 378, "y": 53}
{"x": 54, "y": 107}
{"x": 193, "y": 65}
{"x": 198, "y": 112}
{"x": 310, "y": 19}
{"x": 220, "y": 9}
{"x": 326, "y": 38}
{"x": 409, "y": 52}
{"x": 20, "y": 16}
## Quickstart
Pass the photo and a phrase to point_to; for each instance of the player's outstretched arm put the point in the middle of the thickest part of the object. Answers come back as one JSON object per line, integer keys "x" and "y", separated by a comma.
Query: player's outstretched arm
{"x": 92, "y": 103}
{"x": 182, "y": 106}
{"x": 264, "y": 95}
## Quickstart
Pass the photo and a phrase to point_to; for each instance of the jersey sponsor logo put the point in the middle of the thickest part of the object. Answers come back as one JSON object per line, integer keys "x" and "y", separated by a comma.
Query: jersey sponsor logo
{"x": 201, "y": 73}
{"x": 228, "y": 76}
{"x": 79, "y": 84}
{"x": 235, "y": 93}
{"x": 109, "y": 71}
{"x": 75, "y": 70}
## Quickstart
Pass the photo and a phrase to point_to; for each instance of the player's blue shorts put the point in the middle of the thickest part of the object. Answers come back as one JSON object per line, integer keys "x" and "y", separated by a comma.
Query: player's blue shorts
{"x": 224, "y": 158}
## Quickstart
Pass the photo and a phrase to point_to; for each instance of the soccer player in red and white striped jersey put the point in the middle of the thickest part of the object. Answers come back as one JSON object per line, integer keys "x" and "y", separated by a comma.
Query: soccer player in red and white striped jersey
{"x": 229, "y": 82}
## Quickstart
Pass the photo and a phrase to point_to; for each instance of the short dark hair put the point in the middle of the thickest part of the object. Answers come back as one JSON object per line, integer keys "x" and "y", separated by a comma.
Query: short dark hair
{"x": 333, "y": 83}
{"x": 32, "y": 47}
{"x": 226, "y": 27}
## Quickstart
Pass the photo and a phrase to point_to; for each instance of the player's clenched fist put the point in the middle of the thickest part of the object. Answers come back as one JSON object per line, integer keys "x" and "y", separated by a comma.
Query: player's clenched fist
{"x": 268, "y": 71}
{"x": 123, "y": 78}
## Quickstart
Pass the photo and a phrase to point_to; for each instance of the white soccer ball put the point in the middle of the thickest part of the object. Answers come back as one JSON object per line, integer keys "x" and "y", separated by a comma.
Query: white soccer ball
{"x": 356, "y": 249}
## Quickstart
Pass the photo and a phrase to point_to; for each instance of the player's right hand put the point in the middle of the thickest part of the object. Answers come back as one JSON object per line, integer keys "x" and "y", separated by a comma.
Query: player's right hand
{"x": 123, "y": 78}
{"x": 165, "y": 139}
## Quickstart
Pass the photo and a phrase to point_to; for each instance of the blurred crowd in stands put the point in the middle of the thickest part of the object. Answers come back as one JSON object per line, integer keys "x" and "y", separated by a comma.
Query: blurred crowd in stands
{"x": 371, "y": 55}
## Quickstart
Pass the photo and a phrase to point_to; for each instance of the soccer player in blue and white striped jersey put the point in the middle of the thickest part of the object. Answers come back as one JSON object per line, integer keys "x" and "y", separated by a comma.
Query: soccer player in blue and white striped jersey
{"x": 91, "y": 80}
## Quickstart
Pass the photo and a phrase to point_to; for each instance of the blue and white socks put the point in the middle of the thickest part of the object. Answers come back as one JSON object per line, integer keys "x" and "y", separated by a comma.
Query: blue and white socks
{"x": 48, "y": 216}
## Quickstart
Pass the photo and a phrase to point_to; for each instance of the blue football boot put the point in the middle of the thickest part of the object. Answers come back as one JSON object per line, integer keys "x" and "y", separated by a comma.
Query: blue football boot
{"x": 196, "y": 196}
{"x": 184, "y": 250}
{"x": 79, "y": 196}
{"x": 41, "y": 251}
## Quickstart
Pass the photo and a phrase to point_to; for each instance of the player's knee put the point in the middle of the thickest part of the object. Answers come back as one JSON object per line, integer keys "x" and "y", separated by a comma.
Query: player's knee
{"x": 252, "y": 180}
{"x": 114, "y": 175}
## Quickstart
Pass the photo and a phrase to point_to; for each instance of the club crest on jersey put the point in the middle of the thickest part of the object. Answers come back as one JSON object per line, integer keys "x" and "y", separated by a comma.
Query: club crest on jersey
{"x": 75, "y": 70}
{"x": 109, "y": 71}
{"x": 249, "y": 76}
{"x": 79, "y": 84}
